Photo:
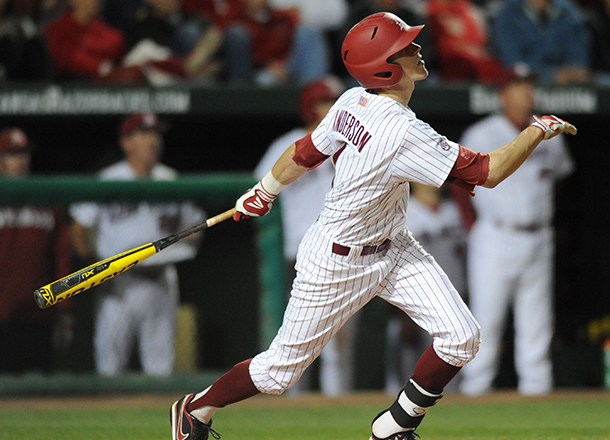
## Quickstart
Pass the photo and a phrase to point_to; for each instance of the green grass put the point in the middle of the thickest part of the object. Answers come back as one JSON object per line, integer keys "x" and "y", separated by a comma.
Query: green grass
{"x": 278, "y": 418}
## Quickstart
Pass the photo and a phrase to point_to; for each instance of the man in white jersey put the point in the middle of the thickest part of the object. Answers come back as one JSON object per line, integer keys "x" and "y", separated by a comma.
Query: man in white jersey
{"x": 139, "y": 307}
{"x": 517, "y": 271}
{"x": 360, "y": 247}
{"x": 301, "y": 203}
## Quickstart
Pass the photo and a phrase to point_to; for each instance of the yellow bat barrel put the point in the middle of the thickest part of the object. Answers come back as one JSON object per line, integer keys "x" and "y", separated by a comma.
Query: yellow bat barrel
{"x": 91, "y": 276}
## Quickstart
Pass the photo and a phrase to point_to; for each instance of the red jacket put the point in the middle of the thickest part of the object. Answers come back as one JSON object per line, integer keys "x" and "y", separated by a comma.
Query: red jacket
{"x": 461, "y": 41}
{"x": 79, "y": 51}
{"x": 34, "y": 251}
{"x": 272, "y": 38}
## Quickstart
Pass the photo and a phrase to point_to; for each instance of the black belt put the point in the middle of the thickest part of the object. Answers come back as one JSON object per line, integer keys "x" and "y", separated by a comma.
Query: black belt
{"x": 339, "y": 249}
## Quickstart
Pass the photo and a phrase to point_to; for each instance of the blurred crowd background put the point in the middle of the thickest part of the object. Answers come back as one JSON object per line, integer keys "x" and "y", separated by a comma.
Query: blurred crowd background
{"x": 270, "y": 42}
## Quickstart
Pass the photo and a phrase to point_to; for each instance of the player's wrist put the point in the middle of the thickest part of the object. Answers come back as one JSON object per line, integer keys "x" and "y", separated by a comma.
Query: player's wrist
{"x": 271, "y": 185}
{"x": 537, "y": 123}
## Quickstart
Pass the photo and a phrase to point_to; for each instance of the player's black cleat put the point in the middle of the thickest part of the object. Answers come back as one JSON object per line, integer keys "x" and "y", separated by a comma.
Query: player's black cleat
{"x": 407, "y": 435}
{"x": 187, "y": 427}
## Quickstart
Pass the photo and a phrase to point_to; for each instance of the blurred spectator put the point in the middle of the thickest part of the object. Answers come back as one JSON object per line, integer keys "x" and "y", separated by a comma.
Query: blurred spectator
{"x": 34, "y": 251}
{"x": 301, "y": 204}
{"x": 436, "y": 223}
{"x": 598, "y": 16}
{"x": 162, "y": 40}
{"x": 516, "y": 271}
{"x": 84, "y": 47}
{"x": 23, "y": 53}
{"x": 459, "y": 31}
{"x": 137, "y": 308}
{"x": 411, "y": 14}
{"x": 326, "y": 18}
{"x": 550, "y": 36}
{"x": 262, "y": 44}
{"x": 268, "y": 45}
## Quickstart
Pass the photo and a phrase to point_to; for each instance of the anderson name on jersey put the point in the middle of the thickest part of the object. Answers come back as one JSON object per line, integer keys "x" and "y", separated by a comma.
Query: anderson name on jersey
{"x": 378, "y": 145}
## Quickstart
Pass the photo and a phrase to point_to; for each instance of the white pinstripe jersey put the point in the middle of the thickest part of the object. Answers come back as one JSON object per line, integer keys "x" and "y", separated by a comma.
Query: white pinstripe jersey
{"x": 378, "y": 146}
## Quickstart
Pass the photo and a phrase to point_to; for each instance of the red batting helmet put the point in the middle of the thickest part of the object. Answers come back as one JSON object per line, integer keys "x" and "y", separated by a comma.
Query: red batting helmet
{"x": 368, "y": 45}
{"x": 326, "y": 89}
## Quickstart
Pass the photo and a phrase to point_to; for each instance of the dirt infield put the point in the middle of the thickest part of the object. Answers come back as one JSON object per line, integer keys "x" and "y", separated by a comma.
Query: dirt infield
{"x": 305, "y": 400}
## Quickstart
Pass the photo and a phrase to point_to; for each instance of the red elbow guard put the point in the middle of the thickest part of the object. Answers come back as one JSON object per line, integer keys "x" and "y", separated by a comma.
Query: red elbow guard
{"x": 470, "y": 169}
{"x": 306, "y": 154}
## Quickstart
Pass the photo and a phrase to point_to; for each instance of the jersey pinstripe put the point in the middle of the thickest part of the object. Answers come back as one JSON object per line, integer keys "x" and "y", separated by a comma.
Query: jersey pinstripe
{"x": 378, "y": 146}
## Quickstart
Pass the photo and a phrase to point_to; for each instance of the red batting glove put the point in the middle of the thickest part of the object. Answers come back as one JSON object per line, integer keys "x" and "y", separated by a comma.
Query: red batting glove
{"x": 551, "y": 126}
{"x": 256, "y": 202}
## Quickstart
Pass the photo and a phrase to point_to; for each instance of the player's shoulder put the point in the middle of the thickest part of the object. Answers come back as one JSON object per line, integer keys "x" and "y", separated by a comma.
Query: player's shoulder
{"x": 288, "y": 138}
{"x": 116, "y": 171}
{"x": 163, "y": 172}
{"x": 488, "y": 123}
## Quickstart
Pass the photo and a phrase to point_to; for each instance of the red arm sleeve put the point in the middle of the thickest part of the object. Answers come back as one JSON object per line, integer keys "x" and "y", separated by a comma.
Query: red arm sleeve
{"x": 470, "y": 169}
{"x": 306, "y": 154}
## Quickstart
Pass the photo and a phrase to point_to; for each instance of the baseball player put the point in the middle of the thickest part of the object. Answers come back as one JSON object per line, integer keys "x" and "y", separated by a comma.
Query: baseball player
{"x": 301, "y": 203}
{"x": 141, "y": 304}
{"x": 359, "y": 247}
{"x": 517, "y": 271}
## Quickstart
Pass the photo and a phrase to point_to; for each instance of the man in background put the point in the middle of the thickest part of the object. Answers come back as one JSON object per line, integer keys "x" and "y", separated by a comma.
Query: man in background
{"x": 516, "y": 272}
{"x": 139, "y": 307}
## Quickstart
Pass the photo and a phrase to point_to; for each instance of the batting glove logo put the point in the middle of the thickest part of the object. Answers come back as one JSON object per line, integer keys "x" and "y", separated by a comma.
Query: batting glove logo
{"x": 256, "y": 202}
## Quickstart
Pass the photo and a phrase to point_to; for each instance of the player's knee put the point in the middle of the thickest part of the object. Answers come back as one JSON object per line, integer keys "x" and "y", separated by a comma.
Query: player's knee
{"x": 461, "y": 350}
{"x": 271, "y": 379}
{"x": 271, "y": 385}
{"x": 471, "y": 343}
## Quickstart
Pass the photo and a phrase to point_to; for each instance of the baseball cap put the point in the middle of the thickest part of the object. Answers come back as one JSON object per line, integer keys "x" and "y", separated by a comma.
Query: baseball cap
{"x": 324, "y": 89}
{"x": 13, "y": 140}
{"x": 517, "y": 73}
{"x": 140, "y": 121}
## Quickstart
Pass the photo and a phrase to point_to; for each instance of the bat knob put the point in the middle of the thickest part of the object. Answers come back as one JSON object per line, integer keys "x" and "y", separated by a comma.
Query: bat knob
{"x": 41, "y": 301}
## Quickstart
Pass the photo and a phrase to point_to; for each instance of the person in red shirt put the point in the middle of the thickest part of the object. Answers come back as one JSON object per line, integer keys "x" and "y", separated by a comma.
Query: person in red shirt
{"x": 83, "y": 46}
{"x": 458, "y": 31}
{"x": 263, "y": 44}
{"x": 34, "y": 250}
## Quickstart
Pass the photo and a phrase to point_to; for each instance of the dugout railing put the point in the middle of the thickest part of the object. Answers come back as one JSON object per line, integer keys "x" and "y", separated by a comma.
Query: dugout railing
{"x": 222, "y": 244}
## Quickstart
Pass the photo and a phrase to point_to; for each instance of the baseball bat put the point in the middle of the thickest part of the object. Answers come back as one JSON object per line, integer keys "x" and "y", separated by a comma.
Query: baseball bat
{"x": 101, "y": 271}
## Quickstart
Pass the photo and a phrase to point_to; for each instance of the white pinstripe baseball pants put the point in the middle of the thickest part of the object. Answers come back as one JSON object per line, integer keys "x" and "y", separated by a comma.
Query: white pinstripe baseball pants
{"x": 330, "y": 288}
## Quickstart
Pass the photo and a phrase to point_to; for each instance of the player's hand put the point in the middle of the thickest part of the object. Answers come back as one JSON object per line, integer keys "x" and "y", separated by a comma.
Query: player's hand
{"x": 256, "y": 202}
{"x": 551, "y": 126}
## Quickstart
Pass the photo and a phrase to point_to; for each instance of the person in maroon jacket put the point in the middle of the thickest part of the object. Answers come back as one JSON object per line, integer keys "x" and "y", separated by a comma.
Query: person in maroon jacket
{"x": 34, "y": 250}
{"x": 82, "y": 46}
{"x": 264, "y": 44}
